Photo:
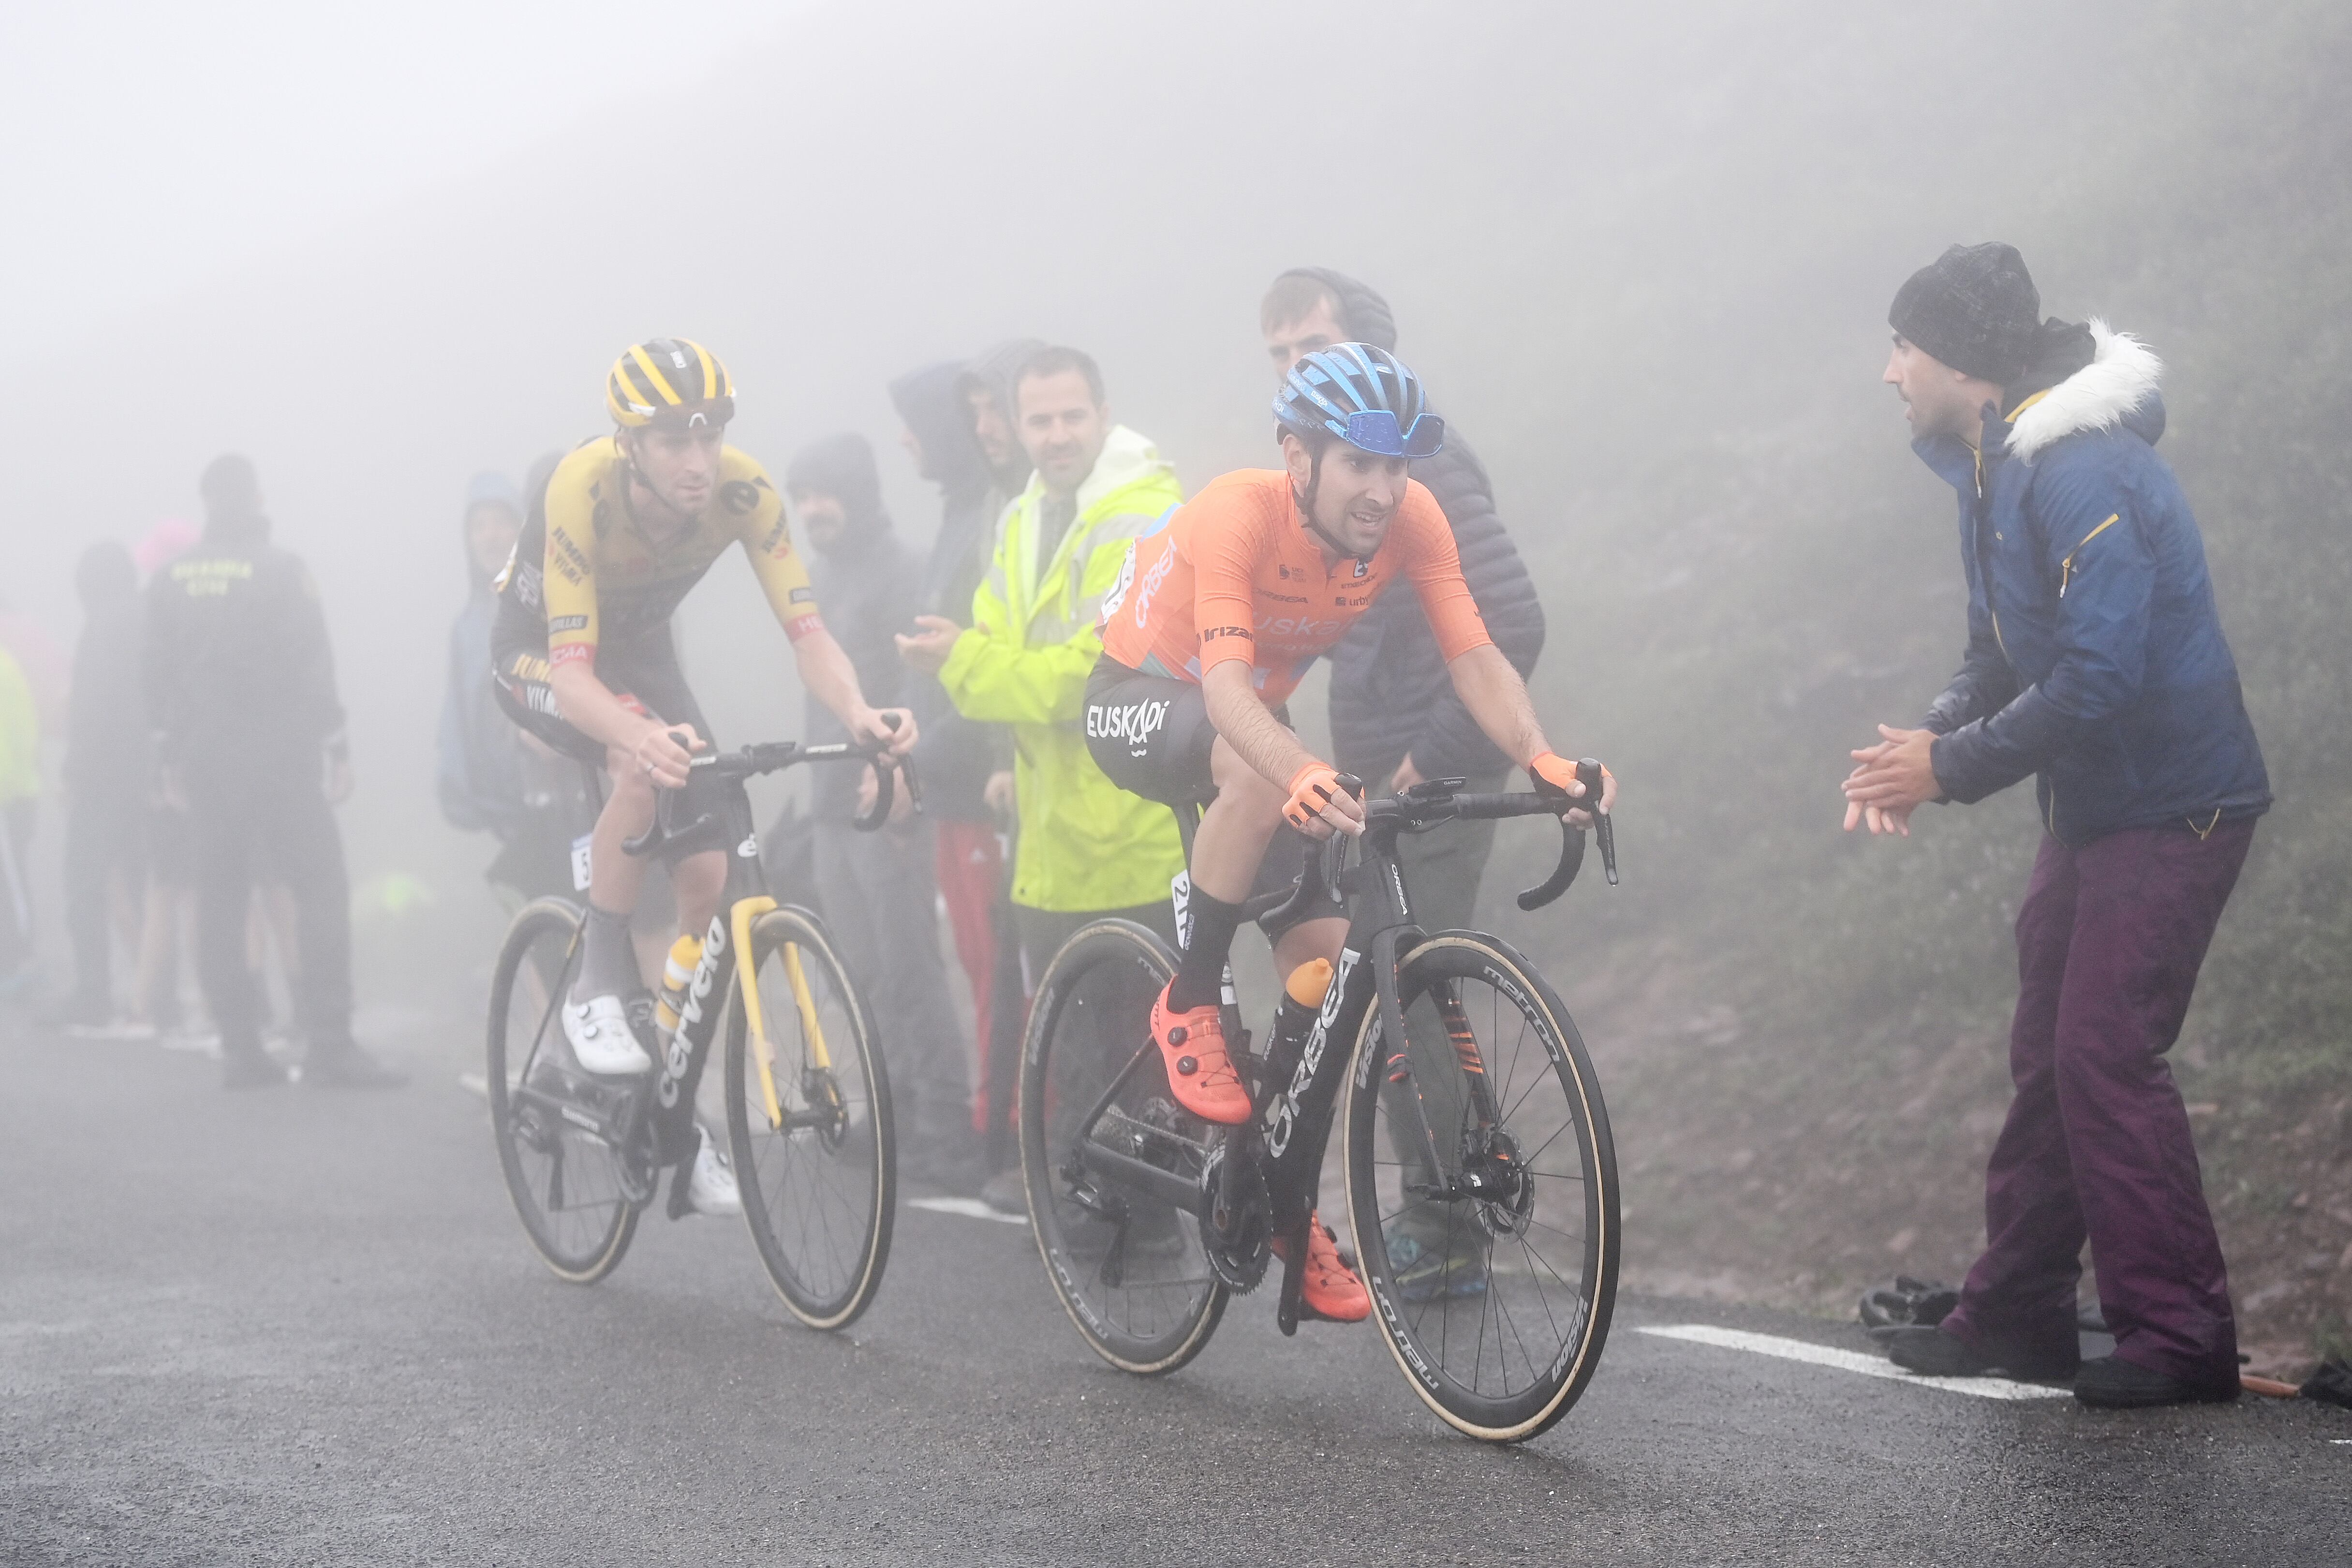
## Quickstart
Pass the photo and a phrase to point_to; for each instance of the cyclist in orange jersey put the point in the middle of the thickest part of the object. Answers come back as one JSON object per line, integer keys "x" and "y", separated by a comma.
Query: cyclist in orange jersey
{"x": 1213, "y": 622}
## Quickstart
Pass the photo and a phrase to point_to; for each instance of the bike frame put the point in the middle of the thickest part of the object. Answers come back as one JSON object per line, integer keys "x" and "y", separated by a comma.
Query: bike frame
{"x": 1295, "y": 1095}
{"x": 648, "y": 1120}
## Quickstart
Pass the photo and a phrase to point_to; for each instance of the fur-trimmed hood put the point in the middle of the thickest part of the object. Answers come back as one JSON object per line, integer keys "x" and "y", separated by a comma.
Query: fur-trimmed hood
{"x": 2116, "y": 388}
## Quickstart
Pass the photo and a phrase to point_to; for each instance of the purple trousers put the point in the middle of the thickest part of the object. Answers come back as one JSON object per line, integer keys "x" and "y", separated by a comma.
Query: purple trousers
{"x": 2097, "y": 1144}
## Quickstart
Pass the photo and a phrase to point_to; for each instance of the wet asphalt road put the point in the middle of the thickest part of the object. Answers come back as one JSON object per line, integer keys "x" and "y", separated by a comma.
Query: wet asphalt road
{"x": 295, "y": 1327}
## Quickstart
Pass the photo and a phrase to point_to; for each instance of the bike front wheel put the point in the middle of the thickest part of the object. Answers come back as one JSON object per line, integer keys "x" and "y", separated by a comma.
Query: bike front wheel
{"x": 808, "y": 1123}
{"x": 565, "y": 1176}
{"x": 1482, "y": 1189}
{"x": 1124, "y": 1257}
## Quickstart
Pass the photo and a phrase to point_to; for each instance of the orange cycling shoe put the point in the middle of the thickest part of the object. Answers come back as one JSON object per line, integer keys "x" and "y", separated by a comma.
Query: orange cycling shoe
{"x": 1328, "y": 1286}
{"x": 1199, "y": 1072}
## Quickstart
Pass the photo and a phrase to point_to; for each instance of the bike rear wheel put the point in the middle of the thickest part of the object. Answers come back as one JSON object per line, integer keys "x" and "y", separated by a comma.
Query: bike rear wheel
{"x": 811, "y": 1136}
{"x": 1127, "y": 1263}
{"x": 1489, "y": 1247}
{"x": 566, "y": 1181}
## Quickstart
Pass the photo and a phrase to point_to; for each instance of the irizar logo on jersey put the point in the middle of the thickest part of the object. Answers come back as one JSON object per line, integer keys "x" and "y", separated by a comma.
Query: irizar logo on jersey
{"x": 680, "y": 1055}
{"x": 1282, "y": 1116}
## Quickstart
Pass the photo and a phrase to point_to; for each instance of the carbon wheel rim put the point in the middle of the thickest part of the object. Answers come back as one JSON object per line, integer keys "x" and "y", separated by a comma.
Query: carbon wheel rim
{"x": 565, "y": 1180}
{"x": 1147, "y": 1301}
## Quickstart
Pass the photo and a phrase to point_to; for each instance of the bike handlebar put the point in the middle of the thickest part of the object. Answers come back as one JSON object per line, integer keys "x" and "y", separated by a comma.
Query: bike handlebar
{"x": 775, "y": 756}
{"x": 1434, "y": 801}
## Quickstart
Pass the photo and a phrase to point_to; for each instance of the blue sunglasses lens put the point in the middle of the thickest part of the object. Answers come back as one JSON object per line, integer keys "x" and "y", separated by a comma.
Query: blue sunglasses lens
{"x": 1376, "y": 431}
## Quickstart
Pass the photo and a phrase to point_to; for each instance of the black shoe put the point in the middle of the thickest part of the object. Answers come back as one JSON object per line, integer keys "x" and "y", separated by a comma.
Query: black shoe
{"x": 350, "y": 1067}
{"x": 1932, "y": 1352}
{"x": 251, "y": 1070}
{"x": 2111, "y": 1383}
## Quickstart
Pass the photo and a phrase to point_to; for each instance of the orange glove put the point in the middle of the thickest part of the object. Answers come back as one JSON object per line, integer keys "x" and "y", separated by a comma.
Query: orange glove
{"x": 1558, "y": 773}
{"x": 1311, "y": 789}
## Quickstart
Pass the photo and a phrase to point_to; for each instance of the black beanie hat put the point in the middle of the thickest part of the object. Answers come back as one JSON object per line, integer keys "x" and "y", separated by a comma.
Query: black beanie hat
{"x": 841, "y": 466}
{"x": 1975, "y": 308}
{"x": 1362, "y": 311}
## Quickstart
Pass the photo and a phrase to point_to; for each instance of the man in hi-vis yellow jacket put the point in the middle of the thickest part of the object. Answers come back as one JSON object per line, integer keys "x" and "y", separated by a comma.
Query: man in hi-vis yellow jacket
{"x": 1088, "y": 848}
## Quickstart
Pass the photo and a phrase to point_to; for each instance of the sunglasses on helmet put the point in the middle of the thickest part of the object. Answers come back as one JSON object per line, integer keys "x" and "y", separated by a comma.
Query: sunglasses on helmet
{"x": 1375, "y": 430}
{"x": 711, "y": 411}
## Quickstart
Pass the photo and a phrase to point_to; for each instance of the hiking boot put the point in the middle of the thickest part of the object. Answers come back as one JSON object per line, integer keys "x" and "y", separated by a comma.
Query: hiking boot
{"x": 349, "y": 1067}
{"x": 251, "y": 1070}
{"x": 1425, "y": 1273}
{"x": 1200, "y": 1073}
{"x": 1327, "y": 1288}
{"x": 1936, "y": 1353}
{"x": 2111, "y": 1383}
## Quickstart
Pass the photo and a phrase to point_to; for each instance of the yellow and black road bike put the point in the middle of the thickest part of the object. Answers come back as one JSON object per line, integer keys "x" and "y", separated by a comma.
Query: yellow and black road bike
{"x": 807, "y": 1101}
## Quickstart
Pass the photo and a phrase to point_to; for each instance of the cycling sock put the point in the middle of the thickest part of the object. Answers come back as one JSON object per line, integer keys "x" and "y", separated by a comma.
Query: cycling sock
{"x": 608, "y": 959}
{"x": 1200, "y": 973}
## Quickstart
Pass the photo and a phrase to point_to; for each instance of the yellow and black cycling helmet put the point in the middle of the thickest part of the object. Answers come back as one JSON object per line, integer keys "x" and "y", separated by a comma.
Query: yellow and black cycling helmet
{"x": 669, "y": 381}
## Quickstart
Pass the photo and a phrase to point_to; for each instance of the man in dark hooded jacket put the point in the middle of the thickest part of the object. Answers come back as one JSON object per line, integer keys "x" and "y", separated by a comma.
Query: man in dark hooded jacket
{"x": 490, "y": 780}
{"x": 958, "y": 756}
{"x": 2096, "y": 662}
{"x": 240, "y": 683}
{"x": 879, "y": 889}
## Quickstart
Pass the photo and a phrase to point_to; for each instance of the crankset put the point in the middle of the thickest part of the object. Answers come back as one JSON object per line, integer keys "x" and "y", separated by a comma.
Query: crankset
{"x": 1237, "y": 1220}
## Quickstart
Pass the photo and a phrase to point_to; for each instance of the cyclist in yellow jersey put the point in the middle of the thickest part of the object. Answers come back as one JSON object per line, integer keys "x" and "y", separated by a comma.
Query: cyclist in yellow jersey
{"x": 584, "y": 658}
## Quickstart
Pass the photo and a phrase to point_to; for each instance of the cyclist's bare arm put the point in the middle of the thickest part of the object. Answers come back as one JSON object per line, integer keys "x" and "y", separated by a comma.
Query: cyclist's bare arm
{"x": 827, "y": 671}
{"x": 1262, "y": 740}
{"x": 1497, "y": 698}
{"x": 590, "y": 707}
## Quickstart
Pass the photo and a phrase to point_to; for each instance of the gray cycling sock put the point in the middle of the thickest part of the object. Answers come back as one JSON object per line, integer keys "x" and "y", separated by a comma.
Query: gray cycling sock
{"x": 608, "y": 959}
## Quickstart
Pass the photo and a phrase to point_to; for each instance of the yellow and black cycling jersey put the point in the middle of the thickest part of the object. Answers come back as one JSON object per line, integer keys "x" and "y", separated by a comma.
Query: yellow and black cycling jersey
{"x": 586, "y": 568}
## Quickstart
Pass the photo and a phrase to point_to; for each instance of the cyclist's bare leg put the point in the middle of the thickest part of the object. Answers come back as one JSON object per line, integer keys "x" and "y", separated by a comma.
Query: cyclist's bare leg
{"x": 1306, "y": 940}
{"x": 615, "y": 876}
{"x": 699, "y": 881}
{"x": 1236, "y": 828}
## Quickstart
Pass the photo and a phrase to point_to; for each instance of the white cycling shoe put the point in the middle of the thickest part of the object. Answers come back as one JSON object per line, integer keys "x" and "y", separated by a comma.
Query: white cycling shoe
{"x": 712, "y": 1190}
{"x": 601, "y": 1040}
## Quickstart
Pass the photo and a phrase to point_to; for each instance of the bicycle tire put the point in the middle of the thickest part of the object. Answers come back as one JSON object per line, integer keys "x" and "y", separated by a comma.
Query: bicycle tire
{"x": 548, "y": 1162}
{"x": 1562, "y": 1360}
{"x": 1113, "y": 968}
{"x": 818, "y": 1195}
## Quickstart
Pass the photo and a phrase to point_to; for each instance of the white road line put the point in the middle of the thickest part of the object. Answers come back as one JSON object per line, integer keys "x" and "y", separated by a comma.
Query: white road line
{"x": 1850, "y": 1361}
{"x": 970, "y": 1208}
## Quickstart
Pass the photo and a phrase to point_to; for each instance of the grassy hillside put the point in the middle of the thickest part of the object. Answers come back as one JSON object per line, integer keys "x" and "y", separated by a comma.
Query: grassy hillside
{"x": 1805, "y": 1036}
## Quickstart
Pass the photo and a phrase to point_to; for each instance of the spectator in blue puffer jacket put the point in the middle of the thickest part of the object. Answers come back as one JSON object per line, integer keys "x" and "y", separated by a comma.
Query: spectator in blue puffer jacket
{"x": 2096, "y": 663}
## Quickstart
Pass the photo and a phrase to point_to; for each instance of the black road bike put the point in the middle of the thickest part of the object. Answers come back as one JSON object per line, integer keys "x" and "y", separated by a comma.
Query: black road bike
{"x": 1481, "y": 1185}
{"x": 808, "y": 1103}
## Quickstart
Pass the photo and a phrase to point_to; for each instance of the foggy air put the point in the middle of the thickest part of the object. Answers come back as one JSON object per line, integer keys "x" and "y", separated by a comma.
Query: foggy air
{"x": 746, "y": 751}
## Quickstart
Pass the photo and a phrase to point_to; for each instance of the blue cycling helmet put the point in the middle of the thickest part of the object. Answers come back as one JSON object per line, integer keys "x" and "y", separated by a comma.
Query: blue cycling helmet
{"x": 1364, "y": 395}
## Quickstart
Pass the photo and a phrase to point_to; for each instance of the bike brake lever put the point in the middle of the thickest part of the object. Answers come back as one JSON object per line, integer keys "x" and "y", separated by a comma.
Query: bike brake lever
{"x": 1572, "y": 847}
{"x": 1591, "y": 774}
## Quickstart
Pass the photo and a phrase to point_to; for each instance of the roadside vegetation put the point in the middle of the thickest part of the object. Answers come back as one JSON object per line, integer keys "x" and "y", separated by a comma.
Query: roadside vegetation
{"x": 1803, "y": 1034}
